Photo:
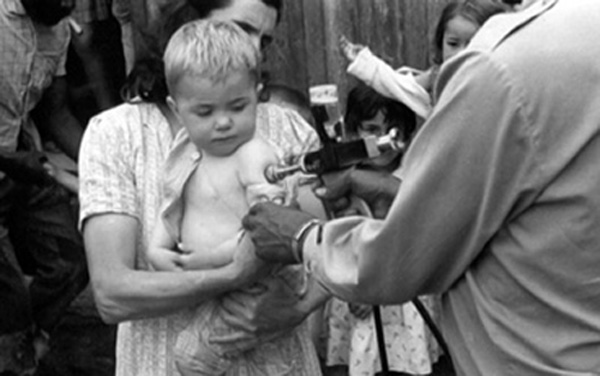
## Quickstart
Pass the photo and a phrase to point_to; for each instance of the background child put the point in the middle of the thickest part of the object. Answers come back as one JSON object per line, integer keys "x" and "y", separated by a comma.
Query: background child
{"x": 214, "y": 172}
{"x": 352, "y": 339}
{"x": 458, "y": 23}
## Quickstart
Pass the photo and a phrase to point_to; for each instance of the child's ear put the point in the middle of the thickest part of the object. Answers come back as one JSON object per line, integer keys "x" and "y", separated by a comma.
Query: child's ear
{"x": 262, "y": 92}
{"x": 172, "y": 105}
{"x": 174, "y": 109}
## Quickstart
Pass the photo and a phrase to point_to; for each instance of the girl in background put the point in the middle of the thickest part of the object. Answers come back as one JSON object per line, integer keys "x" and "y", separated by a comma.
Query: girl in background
{"x": 458, "y": 23}
{"x": 352, "y": 343}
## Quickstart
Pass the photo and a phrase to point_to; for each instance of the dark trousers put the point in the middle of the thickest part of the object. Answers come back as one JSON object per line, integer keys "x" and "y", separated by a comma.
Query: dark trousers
{"x": 38, "y": 238}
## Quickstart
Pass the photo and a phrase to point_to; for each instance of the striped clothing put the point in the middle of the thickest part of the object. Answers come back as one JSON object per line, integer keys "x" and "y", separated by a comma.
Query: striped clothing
{"x": 31, "y": 55}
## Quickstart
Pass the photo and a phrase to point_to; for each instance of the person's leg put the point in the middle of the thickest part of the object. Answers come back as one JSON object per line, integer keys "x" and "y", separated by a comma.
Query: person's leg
{"x": 51, "y": 249}
{"x": 16, "y": 322}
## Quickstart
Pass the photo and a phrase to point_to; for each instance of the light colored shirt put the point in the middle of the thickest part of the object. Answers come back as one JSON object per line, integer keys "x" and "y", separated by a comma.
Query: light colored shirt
{"x": 31, "y": 55}
{"x": 499, "y": 206}
{"x": 399, "y": 85}
{"x": 120, "y": 165}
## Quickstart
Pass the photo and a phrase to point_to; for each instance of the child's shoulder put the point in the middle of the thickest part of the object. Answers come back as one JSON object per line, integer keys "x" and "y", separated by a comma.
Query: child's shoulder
{"x": 253, "y": 157}
{"x": 255, "y": 147}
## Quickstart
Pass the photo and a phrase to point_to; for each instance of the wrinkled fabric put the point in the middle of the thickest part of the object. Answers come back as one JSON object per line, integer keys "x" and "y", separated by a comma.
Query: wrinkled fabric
{"x": 32, "y": 55}
{"x": 499, "y": 206}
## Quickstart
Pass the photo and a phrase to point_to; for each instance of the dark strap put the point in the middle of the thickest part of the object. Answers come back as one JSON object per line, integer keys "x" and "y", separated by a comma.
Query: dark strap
{"x": 380, "y": 340}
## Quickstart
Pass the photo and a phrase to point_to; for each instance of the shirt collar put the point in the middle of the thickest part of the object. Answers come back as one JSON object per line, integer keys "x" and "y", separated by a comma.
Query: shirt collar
{"x": 501, "y": 26}
{"x": 15, "y": 7}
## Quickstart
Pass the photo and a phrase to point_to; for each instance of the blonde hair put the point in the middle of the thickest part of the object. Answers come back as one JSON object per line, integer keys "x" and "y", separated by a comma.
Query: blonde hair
{"x": 209, "y": 49}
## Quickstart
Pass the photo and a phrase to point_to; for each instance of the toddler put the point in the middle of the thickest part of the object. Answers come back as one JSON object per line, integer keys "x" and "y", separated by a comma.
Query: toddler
{"x": 214, "y": 173}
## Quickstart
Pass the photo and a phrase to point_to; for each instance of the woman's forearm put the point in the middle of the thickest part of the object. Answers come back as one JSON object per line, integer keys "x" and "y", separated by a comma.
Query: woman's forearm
{"x": 139, "y": 294}
{"x": 124, "y": 292}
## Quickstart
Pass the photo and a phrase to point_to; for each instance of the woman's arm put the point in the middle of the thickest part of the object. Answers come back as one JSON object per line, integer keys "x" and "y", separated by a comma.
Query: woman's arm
{"x": 124, "y": 293}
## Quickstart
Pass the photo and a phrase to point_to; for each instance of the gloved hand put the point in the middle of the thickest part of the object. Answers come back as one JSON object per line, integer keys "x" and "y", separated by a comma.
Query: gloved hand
{"x": 272, "y": 228}
{"x": 377, "y": 189}
{"x": 29, "y": 167}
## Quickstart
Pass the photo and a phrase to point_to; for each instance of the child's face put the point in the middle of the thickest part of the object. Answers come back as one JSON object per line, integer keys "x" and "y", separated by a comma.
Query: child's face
{"x": 219, "y": 116}
{"x": 377, "y": 127}
{"x": 457, "y": 36}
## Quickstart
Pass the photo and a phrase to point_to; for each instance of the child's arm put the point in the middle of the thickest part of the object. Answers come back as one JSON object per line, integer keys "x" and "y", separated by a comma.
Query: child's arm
{"x": 254, "y": 157}
{"x": 384, "y": 79}
{"x": 219, "y": 257}
{"x": 162, "y": 251}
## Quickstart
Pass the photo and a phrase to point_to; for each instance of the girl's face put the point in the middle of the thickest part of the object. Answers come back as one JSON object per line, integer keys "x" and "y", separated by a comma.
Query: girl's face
{"x": 457, "y": 36}
{"x": 377, "y": 127}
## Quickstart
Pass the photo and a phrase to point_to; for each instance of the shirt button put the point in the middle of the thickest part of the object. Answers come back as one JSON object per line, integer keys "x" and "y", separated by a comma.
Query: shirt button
{"x": 195, "y": 156}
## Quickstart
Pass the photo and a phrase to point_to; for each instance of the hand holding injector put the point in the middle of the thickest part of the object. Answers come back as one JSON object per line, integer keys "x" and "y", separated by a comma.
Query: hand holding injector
{"x": 335, "y": 156}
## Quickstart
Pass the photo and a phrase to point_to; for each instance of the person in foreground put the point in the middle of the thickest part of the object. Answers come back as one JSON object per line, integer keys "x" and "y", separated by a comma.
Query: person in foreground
{"x": 214, "y": 172}
{"x": 499, "y": 206}
{"x": 121, "y": 157}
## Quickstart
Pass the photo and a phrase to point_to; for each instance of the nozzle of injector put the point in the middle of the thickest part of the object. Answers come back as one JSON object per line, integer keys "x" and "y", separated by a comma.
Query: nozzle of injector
{"x": 337, "y": 156}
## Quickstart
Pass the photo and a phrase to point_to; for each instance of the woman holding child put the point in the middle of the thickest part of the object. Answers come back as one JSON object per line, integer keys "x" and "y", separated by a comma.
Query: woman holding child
{"x": 121, "y": 161}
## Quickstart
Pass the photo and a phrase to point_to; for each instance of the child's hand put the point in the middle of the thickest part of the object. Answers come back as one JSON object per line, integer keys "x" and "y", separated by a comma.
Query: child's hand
{"x": 349, "y": 49}
{"x": 360, "y": 311}
{"x": 164, "y": 259}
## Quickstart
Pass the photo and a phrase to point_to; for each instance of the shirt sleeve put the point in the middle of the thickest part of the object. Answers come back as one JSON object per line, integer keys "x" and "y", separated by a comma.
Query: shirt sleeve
{"x": 286, "y": 131}
{"x": 462, "y": 178}
{"x": 107, "y": 182}
{"x": 397, "y": 85}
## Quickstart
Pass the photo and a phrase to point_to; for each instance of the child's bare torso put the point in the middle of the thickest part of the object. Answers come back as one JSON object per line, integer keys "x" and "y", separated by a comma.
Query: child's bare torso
{"x": 215, "y": 202}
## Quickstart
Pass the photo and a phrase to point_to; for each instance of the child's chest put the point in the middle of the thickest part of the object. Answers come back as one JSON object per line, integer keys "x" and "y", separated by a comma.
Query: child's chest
{"x": 216, "y": 187}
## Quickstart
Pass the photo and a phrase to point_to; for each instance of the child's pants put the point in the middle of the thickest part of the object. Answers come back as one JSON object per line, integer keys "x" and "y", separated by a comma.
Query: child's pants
{"x": 196, "y": 352}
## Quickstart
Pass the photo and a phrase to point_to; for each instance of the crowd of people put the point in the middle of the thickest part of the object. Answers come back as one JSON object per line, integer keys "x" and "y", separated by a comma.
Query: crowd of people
{"x": 479, "y": 247}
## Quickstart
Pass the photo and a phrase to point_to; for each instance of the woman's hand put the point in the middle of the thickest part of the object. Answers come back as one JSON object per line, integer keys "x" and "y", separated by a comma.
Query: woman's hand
{"x": 164, "y": 259}
{"x": 63, "y": 177}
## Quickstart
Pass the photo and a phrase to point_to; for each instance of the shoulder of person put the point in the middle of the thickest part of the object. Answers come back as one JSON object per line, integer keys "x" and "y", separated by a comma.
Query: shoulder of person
{"x": 127, "y": 115}
{"x": 256, "y": 151}
{"x": 253, "y": 157}
{"x": 270, "y": 115}
{"x": 285, "y": 129}
{"x": 499, "y": 27}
